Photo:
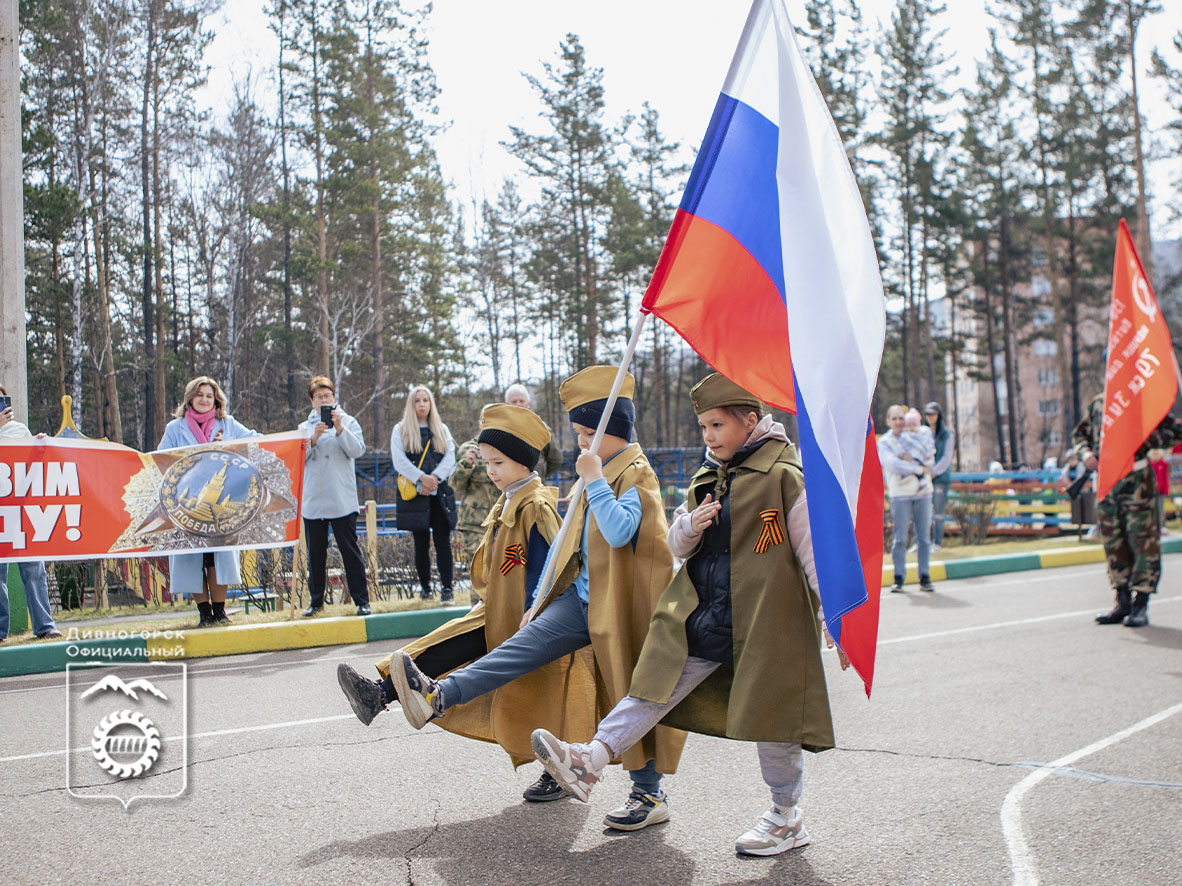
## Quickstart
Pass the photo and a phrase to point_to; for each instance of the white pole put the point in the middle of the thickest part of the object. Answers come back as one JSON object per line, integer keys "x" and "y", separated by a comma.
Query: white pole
{"x": 13, "y": 369}
{"x": 576, "y": 496}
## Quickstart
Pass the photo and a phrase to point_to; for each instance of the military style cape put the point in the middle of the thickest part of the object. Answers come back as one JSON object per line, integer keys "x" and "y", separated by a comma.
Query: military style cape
{"x": 624, "y": 586}
{"x": 775, "y": 689}
{"x": 560, "y": 696}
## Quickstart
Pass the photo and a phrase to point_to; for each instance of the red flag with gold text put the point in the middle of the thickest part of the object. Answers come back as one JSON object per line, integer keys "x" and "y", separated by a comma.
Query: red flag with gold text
{"x": 1140, "y": 381}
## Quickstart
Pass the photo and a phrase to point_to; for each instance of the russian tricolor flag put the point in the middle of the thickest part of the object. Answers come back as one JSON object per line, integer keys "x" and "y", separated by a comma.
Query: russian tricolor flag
{"x": 769, "y": 273}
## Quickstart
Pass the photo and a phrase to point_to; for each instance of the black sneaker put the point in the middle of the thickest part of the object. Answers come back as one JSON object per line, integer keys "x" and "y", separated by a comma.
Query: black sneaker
{"x": 544, "y": 790}
{"x": 445, "y": 596}
{"x": 925, "y": 584}
{"x": 365, "y": 696}
{"x": 897, "y": 587}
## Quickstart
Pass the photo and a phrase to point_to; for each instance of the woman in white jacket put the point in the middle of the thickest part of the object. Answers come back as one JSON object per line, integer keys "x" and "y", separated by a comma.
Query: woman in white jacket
{"x": 909, "y": 487}
{"x": 200, "y": 418}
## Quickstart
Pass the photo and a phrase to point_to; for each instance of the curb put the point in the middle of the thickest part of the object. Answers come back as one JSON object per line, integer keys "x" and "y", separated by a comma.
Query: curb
{"x": 977, "y": 566}
{"x": 124, "y": 646}
{"x": 43, "y": 658}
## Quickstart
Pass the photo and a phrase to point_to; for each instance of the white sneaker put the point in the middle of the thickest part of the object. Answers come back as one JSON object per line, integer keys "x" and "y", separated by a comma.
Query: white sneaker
{"x": 774, "y": 833}
{"x": 913, "y": 549}
{"x": 570, "y": 764}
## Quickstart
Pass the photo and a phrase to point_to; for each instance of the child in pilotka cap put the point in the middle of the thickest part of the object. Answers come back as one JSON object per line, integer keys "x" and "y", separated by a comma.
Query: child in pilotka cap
{"x": 733, "y": 648}
{"x": 609, "y": 573}
{"x": 505, "y": 568}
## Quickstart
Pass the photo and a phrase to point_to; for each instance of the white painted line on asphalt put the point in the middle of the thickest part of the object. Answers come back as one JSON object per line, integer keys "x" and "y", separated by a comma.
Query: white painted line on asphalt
{"x": 215, "y": 733}
{"x": 1008, "y": 624}
{"x": 1021, "y": 858}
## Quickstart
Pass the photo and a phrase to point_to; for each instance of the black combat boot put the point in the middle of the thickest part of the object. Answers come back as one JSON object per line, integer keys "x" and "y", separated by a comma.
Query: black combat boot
{"x": 1119, "y": 611}
{"x": 1139, "y": 615}
{"x": 206, "y": 615}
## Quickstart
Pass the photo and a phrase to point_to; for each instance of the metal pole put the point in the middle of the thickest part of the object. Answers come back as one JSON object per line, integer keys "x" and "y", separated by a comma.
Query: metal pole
{"x": 13, "y": 368}
{"x": 576, "y": 495}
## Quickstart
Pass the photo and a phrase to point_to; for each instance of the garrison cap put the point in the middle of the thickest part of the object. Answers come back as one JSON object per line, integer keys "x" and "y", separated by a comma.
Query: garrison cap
{"x": 716, "y": 391}
{"x": 517, "y": 432}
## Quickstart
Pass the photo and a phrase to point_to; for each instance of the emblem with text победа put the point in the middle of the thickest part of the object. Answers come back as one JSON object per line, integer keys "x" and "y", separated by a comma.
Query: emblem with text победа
{"x": 227, "y": 494}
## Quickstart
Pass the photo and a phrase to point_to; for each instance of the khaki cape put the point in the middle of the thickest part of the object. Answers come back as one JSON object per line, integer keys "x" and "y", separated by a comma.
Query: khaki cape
{"x": 775, "y": 688}
{"x": 625, "y": 584}
{"x": 559, "y": 697}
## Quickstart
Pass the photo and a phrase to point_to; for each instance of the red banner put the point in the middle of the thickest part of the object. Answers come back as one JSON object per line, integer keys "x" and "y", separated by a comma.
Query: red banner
{"x": 1141, "y": 380}
{"x": 69, "y": 499}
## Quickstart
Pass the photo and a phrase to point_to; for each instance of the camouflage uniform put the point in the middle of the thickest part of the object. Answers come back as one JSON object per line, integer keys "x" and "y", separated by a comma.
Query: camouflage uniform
{"x": 1127, "y": 519}
{"x": 477, "y": 495}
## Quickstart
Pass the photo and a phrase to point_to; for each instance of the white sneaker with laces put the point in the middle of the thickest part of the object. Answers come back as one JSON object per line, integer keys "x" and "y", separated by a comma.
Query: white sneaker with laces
{"x": 570, "y": 764}
{"x": 774, "y": 833}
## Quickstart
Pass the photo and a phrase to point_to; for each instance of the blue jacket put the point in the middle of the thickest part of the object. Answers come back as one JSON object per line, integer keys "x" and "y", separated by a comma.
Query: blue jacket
{"x": 184, "y": 570}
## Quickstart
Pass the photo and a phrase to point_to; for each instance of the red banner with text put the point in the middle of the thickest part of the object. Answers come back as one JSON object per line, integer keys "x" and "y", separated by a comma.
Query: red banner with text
{"x": 1141, "y": 380}
{"x": 71, "y": 499}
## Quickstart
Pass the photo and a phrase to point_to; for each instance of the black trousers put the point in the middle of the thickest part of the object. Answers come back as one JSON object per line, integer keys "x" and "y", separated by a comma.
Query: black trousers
{"x": 441, "y": 530}
{"x": 344, "y": 529}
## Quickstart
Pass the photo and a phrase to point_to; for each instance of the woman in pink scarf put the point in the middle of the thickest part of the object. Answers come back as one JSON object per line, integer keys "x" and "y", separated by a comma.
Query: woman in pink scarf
{"x": 200, "y": 418}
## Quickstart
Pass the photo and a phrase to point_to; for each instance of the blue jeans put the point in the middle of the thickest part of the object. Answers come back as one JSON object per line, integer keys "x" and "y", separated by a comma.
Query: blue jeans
{"x": 36, "y": 596}
{"x": 560, "y": 629}
{"x": 903, "y": 513}
{"x": 939, "y": 507}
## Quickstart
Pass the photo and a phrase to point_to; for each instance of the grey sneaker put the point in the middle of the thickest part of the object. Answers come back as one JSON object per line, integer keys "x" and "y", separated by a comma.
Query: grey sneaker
{"x": 639, "y": 811}
{"x": 570, "y": 764}
{"x": 417, "y": 693}
{"x": 774, "y": 833}
{"x": 365, "y": 696}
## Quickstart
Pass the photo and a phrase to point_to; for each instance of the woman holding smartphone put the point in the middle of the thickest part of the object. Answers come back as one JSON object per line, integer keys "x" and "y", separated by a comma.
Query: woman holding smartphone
{"x": 200, "y": 418}
{"x": 330, "y": 493}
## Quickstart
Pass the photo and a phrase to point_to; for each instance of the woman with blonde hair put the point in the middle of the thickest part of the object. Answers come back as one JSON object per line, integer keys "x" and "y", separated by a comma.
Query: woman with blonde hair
{"x": 201, "y": 417}
{"x": 424, "y": 452}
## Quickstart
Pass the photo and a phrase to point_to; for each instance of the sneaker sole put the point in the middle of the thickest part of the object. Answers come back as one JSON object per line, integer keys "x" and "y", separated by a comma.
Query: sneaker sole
{"x": 657, "y": 816}
{"x": 546, "y": 798}
{"x": 802, "y": 839}
{"x": 558, "y": 772}
{"x": 418, "y": 713}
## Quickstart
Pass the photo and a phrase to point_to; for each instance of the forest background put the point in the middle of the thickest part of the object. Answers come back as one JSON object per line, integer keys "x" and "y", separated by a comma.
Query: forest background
{"x": 306, "y": 226}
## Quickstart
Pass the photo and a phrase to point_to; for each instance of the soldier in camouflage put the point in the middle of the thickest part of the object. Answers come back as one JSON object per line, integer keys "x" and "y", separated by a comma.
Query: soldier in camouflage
{"x": 477, "y": 494}
{"x": 1128, "y": 518}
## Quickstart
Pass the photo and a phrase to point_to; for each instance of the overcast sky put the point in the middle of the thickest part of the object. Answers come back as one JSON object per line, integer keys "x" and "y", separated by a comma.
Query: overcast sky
{"x": 671, "y": 53}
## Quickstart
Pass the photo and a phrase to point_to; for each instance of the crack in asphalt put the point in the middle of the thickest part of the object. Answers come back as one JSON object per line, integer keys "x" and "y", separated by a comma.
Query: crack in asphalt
{"x": 410, "y": 877}
{"x": 1065, "y": 771}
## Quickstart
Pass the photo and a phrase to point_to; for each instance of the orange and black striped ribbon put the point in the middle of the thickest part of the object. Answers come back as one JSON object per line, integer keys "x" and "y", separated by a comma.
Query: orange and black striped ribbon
{"x": 770, "y": 533}
{"x": 514, "y": 556}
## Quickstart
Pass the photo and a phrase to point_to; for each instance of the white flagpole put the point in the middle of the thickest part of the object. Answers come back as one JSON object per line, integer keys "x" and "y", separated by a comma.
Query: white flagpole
{"x": 541, "y": 594}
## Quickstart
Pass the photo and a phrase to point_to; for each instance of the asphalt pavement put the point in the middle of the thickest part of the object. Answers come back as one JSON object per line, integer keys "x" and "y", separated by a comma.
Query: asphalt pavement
{"x": 1008, "y": 740}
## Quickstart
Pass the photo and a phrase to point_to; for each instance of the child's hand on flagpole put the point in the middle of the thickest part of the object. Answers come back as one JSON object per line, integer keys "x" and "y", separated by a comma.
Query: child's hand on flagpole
{"x": 589, "y": 466}
{"x": 703, "y": 515}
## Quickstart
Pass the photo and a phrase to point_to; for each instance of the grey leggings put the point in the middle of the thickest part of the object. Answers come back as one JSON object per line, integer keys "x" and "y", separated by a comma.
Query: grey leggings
{"x": 782, "y": 763}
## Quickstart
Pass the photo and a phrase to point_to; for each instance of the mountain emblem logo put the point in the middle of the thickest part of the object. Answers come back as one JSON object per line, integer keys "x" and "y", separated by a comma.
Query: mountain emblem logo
{"x": 130, "y": 719}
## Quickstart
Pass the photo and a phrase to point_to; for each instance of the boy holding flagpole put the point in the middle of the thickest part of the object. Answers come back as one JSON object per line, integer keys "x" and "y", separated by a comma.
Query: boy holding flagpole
{"x": 607, "y": 575}
{"x": 738, "y": 626}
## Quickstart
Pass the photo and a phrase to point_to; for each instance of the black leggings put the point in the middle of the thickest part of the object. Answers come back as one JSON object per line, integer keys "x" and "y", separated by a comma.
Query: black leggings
{"x": 441, "y": 529}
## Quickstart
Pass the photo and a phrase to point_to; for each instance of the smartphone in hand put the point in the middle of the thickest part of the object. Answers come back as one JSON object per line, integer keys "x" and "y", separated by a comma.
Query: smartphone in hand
{"x": 326, "y": 415}
{"x": 5, "y": 402}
